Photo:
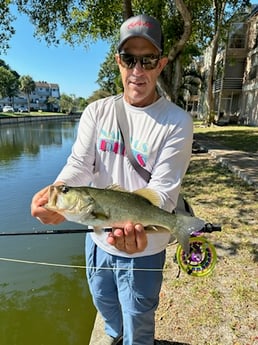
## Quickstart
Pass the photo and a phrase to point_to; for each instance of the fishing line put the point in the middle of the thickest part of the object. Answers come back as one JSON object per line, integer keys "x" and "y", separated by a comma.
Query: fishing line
{"x": 69, "y": 231}
{"x": 81, "y": 266}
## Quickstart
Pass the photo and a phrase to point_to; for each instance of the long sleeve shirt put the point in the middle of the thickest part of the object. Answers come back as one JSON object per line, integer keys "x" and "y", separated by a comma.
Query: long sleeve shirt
{"x": 161, "y": 141}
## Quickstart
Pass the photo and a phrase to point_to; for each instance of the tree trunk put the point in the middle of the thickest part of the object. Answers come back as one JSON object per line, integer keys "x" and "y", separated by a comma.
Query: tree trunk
{"x": 172, "y": 73}
{"x": 187, "y": 18}
{"x": 127, "y": 9}
{"x": 219, "y": 13}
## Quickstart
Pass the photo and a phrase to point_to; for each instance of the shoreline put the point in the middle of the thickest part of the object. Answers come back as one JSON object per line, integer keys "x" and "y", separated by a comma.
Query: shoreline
{"x": 37, "y": 118}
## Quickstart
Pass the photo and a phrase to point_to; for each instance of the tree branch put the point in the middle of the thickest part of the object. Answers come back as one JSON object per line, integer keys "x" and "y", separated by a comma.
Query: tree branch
{"x": 187, "y": 18}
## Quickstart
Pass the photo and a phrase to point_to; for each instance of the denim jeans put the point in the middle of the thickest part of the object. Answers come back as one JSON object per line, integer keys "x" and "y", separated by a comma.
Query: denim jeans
{"x": 126, "y": 292}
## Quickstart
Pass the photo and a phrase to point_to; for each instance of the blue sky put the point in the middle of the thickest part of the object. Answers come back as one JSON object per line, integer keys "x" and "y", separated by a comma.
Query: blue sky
{"x": 74, "y": 69}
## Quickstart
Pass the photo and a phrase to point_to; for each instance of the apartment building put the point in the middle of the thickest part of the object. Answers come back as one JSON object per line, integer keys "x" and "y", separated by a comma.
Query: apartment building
{"x": 45, "y": 97}
{"x": 249, "y": 104}
{"x": 235, "y": 86}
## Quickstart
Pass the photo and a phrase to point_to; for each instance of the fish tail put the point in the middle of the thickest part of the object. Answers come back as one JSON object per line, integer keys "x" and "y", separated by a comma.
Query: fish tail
{"x": 185, "y": 226}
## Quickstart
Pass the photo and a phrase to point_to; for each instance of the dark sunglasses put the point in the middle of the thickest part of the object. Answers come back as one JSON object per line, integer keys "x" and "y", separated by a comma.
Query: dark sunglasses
{"x": 147, "y": 62}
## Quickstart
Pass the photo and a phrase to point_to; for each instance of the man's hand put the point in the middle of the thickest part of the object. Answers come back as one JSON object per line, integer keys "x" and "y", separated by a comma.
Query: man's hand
{"x": 132, "y": 239}
{"x": 42, "y": 214}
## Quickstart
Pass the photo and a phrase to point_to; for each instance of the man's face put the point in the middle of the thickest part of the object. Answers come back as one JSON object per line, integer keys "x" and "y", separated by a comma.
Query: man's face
{"x": 139, "y": 83}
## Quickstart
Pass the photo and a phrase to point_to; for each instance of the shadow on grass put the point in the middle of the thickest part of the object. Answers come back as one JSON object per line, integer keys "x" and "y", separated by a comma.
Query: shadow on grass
{"x": 239, "y": 140}
{"x": 230, "y": 198}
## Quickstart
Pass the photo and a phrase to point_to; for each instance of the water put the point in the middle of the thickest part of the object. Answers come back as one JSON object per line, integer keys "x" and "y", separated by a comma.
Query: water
{"x": 39, "y": 304}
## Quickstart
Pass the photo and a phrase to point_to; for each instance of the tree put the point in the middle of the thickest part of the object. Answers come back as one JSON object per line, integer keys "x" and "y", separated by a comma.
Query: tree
{"x": 189, "y": 25}
{"x": 97, "y": 95}
{"x": 82, "y": 103}
{"x": 67, "y": 103}
{"x": 9, "y": 85}
{"x": 109, "y": 76}
{"x": 27, "y": 85}
{"x": 52, "y": 103}
{"x": 9, "y": 82}
{"x": 6, "y": 28}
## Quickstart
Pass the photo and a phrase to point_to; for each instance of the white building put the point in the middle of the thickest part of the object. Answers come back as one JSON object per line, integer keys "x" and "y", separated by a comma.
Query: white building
{"x": 45, "y": 97}
{"x": 44, "y": 92}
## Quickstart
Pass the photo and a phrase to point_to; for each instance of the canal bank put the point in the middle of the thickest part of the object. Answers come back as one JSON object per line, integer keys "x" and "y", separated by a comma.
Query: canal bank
{"x": 38, "y": 118}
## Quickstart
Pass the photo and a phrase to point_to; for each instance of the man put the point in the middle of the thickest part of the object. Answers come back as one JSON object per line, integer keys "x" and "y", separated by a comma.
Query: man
{"x": 127, "y": 294}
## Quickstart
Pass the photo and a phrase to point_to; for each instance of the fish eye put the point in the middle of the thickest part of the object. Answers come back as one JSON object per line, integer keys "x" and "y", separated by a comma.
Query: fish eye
{"x": 65, "y": 189}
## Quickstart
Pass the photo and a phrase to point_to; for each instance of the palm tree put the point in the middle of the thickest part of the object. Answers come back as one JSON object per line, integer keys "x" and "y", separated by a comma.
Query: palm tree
{"x": 27, "y": 85}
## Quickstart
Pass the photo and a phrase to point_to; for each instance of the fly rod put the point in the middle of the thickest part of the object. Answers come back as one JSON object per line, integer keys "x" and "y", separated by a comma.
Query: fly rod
{"x": 51, "y": 232}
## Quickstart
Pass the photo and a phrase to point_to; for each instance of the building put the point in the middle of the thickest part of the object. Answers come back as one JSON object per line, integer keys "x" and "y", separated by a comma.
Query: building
{"x": 45, "y": 97}
{"x": 249, "y": 104}
{"x": 235, "y": 87}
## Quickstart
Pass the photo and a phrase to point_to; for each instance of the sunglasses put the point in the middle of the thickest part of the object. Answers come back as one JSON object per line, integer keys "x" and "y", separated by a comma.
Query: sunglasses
{"x": 147, "y": 62}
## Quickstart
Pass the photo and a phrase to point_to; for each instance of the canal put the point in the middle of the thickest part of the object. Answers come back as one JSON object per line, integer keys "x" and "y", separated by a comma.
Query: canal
{"x": 44, "y": 298}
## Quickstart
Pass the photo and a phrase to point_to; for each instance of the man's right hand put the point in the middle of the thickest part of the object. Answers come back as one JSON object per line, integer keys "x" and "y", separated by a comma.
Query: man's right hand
{"x": 40, "y": 212}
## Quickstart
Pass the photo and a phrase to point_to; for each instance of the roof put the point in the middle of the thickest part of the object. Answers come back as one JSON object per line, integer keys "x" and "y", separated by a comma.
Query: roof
{"x": 46, "y": 85}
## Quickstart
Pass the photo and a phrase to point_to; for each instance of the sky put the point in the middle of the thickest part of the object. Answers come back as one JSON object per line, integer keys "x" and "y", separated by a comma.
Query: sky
{"x": 75, "y": 70}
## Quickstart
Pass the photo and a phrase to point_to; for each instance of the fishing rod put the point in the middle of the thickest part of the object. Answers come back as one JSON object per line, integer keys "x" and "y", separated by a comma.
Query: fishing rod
{"x": 51, "y": 232}
{"x": 208, "y": 227}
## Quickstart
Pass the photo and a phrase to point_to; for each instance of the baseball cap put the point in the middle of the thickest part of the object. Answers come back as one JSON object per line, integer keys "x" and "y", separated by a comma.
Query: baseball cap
{"x": 142, "y": 26}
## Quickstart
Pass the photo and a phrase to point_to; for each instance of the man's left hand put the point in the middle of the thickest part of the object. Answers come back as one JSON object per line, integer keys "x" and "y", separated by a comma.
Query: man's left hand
{"x": 132, "y": 239}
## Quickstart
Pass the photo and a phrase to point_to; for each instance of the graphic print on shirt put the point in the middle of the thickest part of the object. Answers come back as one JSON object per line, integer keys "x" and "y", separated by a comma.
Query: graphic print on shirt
{"x": 112, "y": 142}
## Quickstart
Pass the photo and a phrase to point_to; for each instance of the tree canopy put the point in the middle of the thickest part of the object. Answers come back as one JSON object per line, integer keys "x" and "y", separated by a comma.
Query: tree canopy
{"x": 188, "y": 25}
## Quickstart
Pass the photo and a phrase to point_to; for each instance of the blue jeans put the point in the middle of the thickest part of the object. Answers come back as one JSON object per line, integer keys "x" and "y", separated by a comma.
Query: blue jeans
{"x": 126, "y": 292}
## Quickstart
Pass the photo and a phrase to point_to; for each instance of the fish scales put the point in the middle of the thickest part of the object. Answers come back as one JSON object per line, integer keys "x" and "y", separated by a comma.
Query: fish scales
{"x": 113, "y": 207}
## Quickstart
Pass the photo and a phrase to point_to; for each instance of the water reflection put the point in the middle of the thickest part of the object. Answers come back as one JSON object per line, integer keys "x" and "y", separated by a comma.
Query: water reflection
{"x": 17, "y": 140}
{"x": 39, "y": 304}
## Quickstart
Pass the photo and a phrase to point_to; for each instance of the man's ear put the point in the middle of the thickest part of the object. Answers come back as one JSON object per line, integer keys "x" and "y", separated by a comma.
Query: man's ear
{"x": 117, "y": 58}
{"x": 162, "y": 63}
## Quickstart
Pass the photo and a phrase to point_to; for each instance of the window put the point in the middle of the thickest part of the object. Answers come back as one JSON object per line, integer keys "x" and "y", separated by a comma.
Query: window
{"x": 237, "y": 35}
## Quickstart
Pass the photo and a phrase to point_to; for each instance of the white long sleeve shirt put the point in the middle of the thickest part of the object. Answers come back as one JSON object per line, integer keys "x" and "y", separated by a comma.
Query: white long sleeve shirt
{"x": 161, "y": 140}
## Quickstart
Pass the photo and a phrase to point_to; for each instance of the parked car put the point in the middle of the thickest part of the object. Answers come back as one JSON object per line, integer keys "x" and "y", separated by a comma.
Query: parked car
{"x": 8, "y": 109}
{"x": 23, "y": 110}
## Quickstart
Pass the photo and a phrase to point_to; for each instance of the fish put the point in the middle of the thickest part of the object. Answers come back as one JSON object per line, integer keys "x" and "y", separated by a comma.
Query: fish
{"x": 114, "y": 207}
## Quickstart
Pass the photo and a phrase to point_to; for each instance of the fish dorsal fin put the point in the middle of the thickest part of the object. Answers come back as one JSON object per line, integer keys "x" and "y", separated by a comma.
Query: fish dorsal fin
{"x": 150, "y": 195}
{"x": 116, "y": 187}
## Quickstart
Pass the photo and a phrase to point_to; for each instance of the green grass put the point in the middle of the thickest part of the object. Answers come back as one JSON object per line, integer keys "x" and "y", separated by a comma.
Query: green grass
{"x": 234, "y": 137}
{"x": 220, "y": 309}
{"x": 32, "y": 113}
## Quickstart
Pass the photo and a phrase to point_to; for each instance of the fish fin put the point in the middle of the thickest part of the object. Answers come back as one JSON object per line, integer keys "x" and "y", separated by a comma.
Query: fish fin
{"x": 116, "y": 187}
{"x": 185, "y": 226}
{"x": 150, "y": 228}
{"x": 94, "y": 210}
{"x": 149, "y": 194}
{"x": 155, "y": 228}
{"x": 99, "y": 214}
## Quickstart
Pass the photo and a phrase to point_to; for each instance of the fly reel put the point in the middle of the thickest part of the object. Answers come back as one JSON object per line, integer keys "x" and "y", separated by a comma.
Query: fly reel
{"x": 201, "y": 259}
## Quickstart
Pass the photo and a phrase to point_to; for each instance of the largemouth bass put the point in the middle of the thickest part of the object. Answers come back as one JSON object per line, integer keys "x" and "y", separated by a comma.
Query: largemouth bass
{"x": 113, "y": 207}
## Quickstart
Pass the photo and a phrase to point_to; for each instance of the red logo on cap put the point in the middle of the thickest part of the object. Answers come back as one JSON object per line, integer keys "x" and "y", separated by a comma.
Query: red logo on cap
{"x": 139, "y": 23}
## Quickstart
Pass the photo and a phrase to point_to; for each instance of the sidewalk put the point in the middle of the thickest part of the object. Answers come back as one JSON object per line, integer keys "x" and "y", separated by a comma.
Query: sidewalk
{"x": 242, "y": 164}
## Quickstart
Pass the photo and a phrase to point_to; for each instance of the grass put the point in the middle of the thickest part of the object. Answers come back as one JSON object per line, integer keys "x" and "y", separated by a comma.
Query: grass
{"x": 221, "y": 309}
{"x": 32, "y": 113}
{"x": 234, "y": 137}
